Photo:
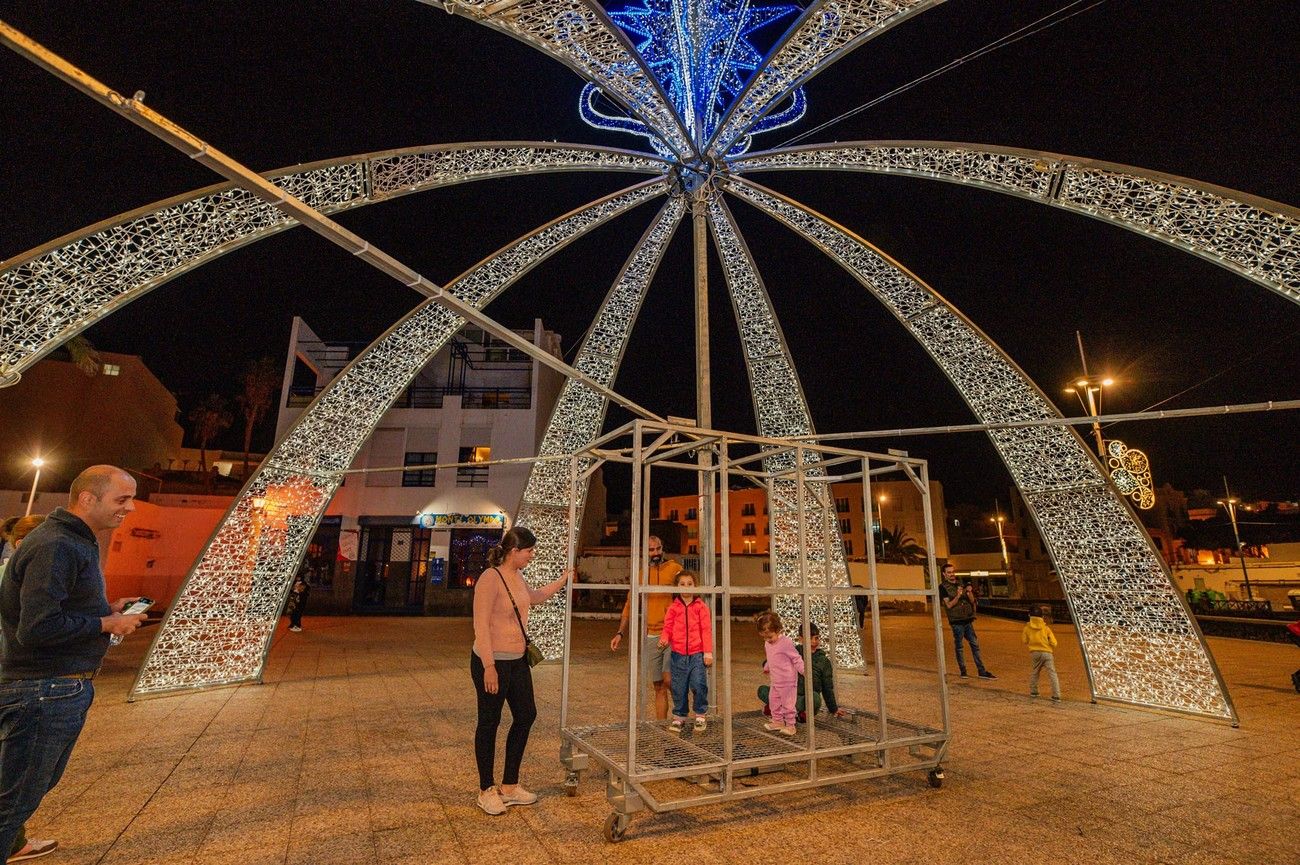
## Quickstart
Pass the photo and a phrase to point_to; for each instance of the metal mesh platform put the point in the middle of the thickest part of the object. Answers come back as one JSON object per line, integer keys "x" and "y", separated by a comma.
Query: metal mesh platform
{"x": 658, "y": 749}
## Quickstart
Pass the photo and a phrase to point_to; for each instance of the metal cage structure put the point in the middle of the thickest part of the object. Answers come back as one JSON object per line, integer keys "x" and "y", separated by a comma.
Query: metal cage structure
{"x": 650, "y": 766}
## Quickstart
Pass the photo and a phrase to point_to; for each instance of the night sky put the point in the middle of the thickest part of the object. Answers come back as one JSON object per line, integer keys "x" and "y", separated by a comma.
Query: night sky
{"x": 1197, "y": 89}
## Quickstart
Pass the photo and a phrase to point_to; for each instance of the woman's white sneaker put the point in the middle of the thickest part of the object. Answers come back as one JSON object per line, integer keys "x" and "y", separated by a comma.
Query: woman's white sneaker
{"x": 518, "y": 796}
{"x": 490, "y": 801}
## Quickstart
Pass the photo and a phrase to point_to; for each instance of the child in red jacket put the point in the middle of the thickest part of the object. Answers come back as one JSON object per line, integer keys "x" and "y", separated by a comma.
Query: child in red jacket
{"x": 688, "y": 629}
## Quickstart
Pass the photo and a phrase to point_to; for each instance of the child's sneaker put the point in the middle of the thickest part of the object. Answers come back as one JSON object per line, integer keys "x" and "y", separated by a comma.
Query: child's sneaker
{"x": 787, "y": 731}
{"x": 676, "y": 725}
{"x": 1033, "y": 693}
{"x": 1056, "y": 699}
{"x": 701, "y": 724}
{"x": 770, "y": 727}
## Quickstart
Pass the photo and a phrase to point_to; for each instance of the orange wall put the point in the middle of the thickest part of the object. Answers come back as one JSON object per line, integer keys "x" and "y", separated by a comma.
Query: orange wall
{"x": 154, "y": 549}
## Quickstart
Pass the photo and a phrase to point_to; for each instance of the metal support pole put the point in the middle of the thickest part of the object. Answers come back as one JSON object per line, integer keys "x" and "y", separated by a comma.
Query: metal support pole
{"x": 1229, "y": 502}
{"x": 706, "y": 544}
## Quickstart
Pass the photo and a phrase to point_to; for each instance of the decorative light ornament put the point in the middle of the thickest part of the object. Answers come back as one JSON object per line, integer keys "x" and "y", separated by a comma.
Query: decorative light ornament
{"x": 1130, "y": 470}
{"x": 700, "y": 53}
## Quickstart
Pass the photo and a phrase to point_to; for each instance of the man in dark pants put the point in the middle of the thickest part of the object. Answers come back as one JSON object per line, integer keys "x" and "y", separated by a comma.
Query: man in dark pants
{"x": 959, "y": 605}
{"x": 55, "y": 623}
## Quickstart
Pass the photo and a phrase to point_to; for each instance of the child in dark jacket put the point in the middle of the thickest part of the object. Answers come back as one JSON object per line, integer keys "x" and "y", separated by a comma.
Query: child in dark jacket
{"x": 823, "y": 681}
{"x": 688, "y": 630}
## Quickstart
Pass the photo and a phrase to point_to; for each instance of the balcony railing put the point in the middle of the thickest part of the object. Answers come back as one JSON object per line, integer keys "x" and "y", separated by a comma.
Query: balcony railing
{"x": 432, "y": 397}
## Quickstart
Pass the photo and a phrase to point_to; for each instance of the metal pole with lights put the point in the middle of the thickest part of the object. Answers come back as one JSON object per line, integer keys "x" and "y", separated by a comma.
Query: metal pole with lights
{"x": 38, "y": 462}
{"x": 880, "y": 520}
{"x": 1230, "y": 504}
{"x": 1002, "y": 541}
{"x": 1088, "y": 389}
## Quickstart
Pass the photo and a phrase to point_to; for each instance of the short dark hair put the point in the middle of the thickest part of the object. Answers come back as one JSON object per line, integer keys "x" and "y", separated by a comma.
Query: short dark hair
{"x": 94, "y": 480}
{"x": 813, "y": 630}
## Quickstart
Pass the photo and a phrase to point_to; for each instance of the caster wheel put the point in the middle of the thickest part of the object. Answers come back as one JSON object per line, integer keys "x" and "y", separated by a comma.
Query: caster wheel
{"x": 616, "y": 827}
{"x": 935, "y": 778}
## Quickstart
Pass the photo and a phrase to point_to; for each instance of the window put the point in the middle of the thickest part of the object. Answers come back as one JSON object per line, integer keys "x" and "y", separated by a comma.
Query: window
{"x": 691, "y": 514}
{"x": 747, "y": 510}
{"x": 844, "y": 527}
{"x": 693, "y": 551}
{"x": 473, "y": 476}
{"x": 848, "y": 547}
{"x": 842, "y": 506}
{"x": 672, "y": 515}
{"x": 112, "y": 369}
{"x": 420, "y": 477}
{"x": 765, "y": 529}
{"x": 748, "y": 530}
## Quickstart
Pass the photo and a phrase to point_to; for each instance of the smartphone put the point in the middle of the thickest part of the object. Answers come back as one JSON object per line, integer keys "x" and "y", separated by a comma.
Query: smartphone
{"x": 139, "y": 605}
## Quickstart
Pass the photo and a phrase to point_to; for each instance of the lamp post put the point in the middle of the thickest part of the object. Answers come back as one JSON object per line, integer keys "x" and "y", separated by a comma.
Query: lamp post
{"x": 1002, "y": 541}
{"x": 1088, "y": 389}
{"x": 880, "y": 520}
{"x": 38, "y": 462}
{"x": 1230, "y": 504}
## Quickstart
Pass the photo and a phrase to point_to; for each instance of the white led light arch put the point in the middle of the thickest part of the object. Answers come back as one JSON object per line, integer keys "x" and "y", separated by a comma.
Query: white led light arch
{"x": 218, "y": 629}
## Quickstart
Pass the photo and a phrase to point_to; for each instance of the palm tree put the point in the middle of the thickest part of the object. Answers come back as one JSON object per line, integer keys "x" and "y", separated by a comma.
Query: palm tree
{"x": 261, "y": 381}
{"x": 83, "y": 354}
{"x": 898, "y": 547}
{"x": 209, "y": 418}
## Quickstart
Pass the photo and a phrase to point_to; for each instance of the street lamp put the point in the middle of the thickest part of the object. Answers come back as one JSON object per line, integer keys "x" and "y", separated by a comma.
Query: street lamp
{"x": 37, "y": 462}
{"x": 880, "y": 520}
{"x": 1002, "y": 541}
{"x": 1231, "y": 505}
{"x": 1088, "y": 389}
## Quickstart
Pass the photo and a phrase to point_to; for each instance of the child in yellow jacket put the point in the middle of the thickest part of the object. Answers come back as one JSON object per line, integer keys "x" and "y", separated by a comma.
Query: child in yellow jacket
{"x": 1040, "y": 641}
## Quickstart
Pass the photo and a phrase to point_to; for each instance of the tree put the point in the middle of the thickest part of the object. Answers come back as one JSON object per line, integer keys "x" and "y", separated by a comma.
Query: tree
{"x": 261, "y": 383}
{"x": 83, "y": 354}
{"x": 209, "y": 419}
{"x": 901, "y": 548}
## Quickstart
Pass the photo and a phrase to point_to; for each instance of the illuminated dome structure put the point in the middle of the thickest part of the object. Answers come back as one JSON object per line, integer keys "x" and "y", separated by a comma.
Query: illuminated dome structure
{"x": 685, "y": 75}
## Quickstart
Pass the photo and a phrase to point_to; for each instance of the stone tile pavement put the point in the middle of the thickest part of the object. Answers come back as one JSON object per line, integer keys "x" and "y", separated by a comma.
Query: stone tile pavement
{"x": 358, "y": 748}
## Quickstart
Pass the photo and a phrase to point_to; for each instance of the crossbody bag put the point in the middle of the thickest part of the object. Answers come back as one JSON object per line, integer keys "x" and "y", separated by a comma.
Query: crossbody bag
{"x": 531, "y": 652}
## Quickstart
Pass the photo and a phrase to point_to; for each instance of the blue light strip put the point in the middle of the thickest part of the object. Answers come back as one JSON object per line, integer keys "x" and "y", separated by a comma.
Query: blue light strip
{"x": 700, "y": 52}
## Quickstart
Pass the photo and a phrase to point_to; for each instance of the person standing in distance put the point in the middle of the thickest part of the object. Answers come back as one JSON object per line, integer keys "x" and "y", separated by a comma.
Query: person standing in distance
{"x": 655, "y": 661}
{"x": 55, "y": 623}
{"x": 959, "y": 605}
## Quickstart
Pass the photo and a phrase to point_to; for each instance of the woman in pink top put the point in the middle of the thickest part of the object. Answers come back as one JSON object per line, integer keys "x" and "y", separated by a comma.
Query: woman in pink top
{"x": 688, "y": 629}
{"x": 784, "y": 665}
{"x": 499, "y": 669}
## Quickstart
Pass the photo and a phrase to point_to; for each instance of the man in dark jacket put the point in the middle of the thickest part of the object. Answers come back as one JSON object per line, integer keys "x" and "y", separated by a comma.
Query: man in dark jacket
{"x": 959, "y": 606}
{"x": 55, "y": 624}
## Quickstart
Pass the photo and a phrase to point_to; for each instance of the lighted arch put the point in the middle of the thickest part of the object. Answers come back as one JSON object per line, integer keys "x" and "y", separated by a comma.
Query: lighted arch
{"x": 53, "y": 292}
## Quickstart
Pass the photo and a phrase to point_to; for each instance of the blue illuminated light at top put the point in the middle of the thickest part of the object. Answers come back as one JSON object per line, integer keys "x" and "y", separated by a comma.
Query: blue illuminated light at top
{"x": 699, "y": 50}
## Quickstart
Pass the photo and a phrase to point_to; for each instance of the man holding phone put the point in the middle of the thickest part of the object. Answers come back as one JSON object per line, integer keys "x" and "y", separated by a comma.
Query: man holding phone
{"x": 55, "y": 626}
{"x": 959, "y": 605}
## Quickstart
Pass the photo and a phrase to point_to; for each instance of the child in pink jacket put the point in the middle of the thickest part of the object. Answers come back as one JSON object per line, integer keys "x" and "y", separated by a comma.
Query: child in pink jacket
{"x": 784, "y": 665}
{"x": 688, "y": 629}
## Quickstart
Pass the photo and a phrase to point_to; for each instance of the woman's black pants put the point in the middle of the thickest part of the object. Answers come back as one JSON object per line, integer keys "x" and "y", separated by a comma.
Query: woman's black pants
{"x": 514, "y": 687}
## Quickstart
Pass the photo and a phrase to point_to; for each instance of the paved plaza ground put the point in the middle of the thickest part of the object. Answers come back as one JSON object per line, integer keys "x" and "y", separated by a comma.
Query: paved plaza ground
{"x": 358, "y": 749}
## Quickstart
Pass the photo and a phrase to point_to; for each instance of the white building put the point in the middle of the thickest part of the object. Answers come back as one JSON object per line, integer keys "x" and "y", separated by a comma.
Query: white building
{"x": 412, "y": 541}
